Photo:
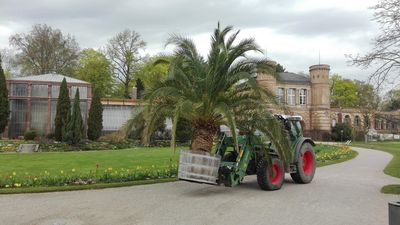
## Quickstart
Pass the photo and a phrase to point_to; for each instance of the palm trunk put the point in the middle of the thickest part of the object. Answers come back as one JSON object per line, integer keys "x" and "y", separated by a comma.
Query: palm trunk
{"x": 203, "y": 135}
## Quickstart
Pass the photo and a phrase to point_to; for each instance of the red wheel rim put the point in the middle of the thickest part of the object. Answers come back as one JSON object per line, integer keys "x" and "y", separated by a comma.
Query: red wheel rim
{"x": 276, "y": 174}
{"x": 308, "y": 162}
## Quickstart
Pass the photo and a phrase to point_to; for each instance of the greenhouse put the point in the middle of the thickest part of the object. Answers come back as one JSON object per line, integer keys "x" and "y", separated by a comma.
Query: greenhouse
{"x": 33, "y": 101}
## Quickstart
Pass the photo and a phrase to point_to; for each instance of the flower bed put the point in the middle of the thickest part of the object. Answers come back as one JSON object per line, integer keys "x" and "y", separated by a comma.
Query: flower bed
{"x": 11, "y": 145}
{"x": 334, "y": 153}
{"x": 98, "y": 175}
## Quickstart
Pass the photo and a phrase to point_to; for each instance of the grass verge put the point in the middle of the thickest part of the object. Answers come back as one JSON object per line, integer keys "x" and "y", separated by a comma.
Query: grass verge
{"x": 82, "y": 187}
{"x": 393, "y": 168}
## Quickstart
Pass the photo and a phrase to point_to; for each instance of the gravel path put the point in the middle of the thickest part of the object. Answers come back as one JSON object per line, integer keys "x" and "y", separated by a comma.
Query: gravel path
{"x": 341, "y": 194}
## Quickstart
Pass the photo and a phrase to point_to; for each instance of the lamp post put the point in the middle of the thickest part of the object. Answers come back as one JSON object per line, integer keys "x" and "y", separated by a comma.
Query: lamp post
{"x": 341, "y": 135}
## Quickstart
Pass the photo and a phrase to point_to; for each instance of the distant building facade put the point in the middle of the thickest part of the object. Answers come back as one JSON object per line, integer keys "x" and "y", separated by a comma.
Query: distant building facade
{"x": 309, "y": 97}
{"x": 33, "y": 102}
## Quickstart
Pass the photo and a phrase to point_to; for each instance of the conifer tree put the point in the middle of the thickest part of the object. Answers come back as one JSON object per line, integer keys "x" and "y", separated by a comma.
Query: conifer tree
{"x": 95, "y": 120}
{"x": 62, "y": 111}
{"x": 4, "y": 105}
{"x": 75, "y": 127}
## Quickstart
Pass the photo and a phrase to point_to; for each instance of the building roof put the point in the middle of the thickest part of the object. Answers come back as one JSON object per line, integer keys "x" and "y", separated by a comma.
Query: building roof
{"x": 287, "y": 77}
{"x": 51, "y": 77}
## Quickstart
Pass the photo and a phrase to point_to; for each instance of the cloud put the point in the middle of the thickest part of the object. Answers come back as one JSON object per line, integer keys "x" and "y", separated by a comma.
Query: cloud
{"x": 293, "y": 31}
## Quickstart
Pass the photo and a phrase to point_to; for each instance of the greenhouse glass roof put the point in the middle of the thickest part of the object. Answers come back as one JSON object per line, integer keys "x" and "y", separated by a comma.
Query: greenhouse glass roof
{"x": 51, "y": 77}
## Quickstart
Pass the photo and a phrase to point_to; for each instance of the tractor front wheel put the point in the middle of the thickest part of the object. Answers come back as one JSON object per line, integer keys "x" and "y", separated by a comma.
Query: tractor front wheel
{"x": 305, "y": 165}
{"x": 267, "y": 180}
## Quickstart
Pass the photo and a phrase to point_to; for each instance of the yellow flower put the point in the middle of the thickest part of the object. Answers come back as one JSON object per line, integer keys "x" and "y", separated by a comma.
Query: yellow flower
{"x": 17, "y": 185}
{"x": 14, "y": 173}
{"x": 62, "y": 171}
{"x": 35, "y": 179}
{"x": 73, "y": 170}
{"x": 7, "y": 186}
{"x": 109, "y": 168}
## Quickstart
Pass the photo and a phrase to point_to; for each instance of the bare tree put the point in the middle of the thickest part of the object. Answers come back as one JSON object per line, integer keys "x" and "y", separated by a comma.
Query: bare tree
{"x": 123, "y": 52}
{"x": 386, "y": 52}
{"x": 368, "y": 105}
{"x": 7, "y": 56}
{"x": 45, "y": 50}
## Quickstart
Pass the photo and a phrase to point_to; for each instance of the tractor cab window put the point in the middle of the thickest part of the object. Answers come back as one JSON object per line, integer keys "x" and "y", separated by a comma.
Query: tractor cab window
{"x": 299, "y": 127}
{"x": 291, "y": 128}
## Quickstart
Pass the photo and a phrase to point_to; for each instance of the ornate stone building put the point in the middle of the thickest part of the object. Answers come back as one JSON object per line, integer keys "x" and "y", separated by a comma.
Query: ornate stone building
{"x": 309, "y": 97}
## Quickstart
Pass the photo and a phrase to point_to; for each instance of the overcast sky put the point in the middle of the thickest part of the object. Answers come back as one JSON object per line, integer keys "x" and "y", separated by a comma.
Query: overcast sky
{"x": 292, "y": 31}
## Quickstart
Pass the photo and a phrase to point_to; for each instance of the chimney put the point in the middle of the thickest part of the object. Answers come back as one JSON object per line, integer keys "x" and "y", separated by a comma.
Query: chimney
{"x": 134, "y": 93}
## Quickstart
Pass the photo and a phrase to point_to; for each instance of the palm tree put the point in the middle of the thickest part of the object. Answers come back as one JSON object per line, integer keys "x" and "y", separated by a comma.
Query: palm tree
{"x": 221, "y": 89}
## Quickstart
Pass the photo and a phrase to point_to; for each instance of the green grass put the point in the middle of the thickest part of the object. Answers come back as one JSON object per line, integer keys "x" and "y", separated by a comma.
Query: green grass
{"x": 393, "y": 168}
{"x": 86, "y": 161}
{"x": 82, "y": 187}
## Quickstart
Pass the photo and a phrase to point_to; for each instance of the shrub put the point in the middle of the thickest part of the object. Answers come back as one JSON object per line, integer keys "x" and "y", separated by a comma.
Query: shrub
{"x": 50, "y": 136}
{"x": 337, "y": 134}
{"x": 95, "y": 120}
{"x": 62, "y": 112}
{"x": 74, "y": 132}
{"x": 30, "y": 135}
{"x": 184, "y": 131}
{"x": 4, "y": 104}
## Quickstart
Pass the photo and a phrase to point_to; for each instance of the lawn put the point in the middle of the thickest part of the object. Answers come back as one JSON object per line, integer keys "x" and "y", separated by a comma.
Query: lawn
{"x": 393, "y": 168}
{"x": 86, "y": 161}
{"x": 57, "y": 171}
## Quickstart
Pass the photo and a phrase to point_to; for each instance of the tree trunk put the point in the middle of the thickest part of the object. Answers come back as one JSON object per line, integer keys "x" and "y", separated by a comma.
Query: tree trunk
{"x": 127, "y": 91}
{"x": 203, "y": 139}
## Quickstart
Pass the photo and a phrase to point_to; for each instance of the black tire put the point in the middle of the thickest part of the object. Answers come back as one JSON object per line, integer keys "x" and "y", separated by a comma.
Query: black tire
{"x": 305, "y": 166}
{"x": 230, "y": 157}
{"x": 267, "y": 182}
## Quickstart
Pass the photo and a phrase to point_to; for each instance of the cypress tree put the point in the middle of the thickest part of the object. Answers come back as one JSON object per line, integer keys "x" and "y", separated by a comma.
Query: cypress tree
{"x": 63, "y": 110}
{"x": 4, "y": 105}
{"x": 139, "y": 88}
{"x": 95, "y": 120}
{"x": 75, "y": 127}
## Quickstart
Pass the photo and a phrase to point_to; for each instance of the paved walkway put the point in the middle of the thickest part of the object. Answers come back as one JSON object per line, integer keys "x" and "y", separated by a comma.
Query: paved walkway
{"x": 341, "y": 194}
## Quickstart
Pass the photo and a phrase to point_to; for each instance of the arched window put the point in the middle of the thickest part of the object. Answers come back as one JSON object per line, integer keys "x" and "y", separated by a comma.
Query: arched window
{"x": 377, "y": 124}
{"x": 347, "y": 119}
{"x": 357, "y": 121}
{"x": 333, "y": 122}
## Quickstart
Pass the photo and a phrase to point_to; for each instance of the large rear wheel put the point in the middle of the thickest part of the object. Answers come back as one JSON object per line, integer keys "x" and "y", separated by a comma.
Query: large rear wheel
{"x": 267, "y": 180}
{"x": 305, "y": 166}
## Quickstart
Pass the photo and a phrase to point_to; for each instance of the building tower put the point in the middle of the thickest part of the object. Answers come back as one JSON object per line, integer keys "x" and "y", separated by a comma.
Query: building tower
{"x": 320, "y": 100}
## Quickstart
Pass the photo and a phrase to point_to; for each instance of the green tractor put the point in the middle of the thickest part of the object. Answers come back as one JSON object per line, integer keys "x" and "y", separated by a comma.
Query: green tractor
{"x": 229, "y": 165}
